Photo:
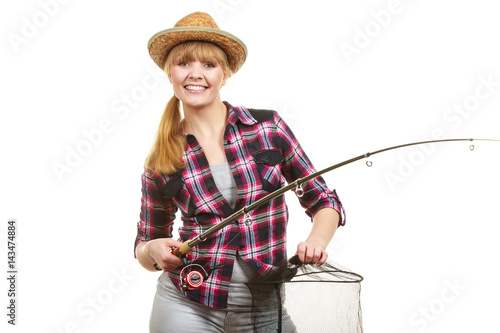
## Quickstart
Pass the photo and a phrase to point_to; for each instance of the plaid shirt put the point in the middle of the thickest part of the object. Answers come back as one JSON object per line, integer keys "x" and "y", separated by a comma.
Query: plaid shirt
{"x": 262, "y": 153}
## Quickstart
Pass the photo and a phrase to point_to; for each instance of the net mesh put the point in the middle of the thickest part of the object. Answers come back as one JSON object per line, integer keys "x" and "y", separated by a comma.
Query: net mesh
{"x": 296, "y": 297}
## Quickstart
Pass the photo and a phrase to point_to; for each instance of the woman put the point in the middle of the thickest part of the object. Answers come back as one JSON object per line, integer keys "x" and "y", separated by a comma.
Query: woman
{"x": 212, "y": 163}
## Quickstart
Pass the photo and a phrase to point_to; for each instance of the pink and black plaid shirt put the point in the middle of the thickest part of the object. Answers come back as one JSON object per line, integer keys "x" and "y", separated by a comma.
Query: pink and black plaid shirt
{"x": 262, "y": 153}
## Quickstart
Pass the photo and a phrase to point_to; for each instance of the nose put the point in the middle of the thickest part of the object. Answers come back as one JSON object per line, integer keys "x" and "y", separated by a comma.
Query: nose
{"x": 196, "y": 71}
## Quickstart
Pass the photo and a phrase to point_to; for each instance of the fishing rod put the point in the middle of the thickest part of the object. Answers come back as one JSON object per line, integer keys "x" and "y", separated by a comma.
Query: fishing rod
{"x": 187, "y": 246}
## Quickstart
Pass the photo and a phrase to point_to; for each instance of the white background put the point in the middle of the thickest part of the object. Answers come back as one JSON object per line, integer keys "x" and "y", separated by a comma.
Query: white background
{"x": 422, "y": 223}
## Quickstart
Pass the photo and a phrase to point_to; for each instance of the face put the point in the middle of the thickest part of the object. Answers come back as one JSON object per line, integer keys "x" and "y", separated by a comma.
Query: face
{"x": 197, "y": 84}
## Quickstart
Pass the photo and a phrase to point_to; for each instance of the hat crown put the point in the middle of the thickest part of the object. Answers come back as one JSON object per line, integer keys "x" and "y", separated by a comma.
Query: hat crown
{"x": 197, "y": 19}
{"x": 197, "y": 26}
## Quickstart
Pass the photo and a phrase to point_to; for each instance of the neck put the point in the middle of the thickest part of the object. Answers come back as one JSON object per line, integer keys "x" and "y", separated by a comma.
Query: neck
{"x": 205, "y": 122}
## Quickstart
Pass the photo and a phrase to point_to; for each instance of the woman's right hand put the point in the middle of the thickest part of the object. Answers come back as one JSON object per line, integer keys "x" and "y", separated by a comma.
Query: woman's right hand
{"x": 160, "y": 250}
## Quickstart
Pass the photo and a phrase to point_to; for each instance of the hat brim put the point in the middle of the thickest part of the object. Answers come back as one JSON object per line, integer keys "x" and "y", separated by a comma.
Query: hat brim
{"x": 162, "y": 42}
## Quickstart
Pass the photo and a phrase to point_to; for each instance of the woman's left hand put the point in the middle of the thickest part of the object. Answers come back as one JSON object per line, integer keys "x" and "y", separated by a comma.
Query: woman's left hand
{"x": 311, "y": 253}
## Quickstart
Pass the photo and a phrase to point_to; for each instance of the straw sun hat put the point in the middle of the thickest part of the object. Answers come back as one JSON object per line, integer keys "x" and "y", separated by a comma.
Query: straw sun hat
{"x": 197, "y": 26}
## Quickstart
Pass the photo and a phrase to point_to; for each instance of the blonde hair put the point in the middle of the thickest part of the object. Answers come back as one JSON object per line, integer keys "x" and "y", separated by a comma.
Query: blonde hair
{"x": 165, "y": 156}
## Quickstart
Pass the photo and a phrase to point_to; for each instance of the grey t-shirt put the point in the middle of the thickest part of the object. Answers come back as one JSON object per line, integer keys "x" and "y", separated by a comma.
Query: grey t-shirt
{"x": 239, "y": 295}
{"x": 225, "y": 182}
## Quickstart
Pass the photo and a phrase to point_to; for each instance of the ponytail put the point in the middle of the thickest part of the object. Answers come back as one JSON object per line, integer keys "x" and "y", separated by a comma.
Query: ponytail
{"x": 165, "y": 156}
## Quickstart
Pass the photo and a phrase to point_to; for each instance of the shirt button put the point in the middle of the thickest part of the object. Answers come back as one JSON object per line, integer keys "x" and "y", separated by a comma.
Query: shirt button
{"x": 258, "y": 264}
{"x": 238, "y": 175}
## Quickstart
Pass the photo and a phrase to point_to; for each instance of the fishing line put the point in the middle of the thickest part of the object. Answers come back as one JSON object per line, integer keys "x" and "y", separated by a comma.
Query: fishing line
{"x": 297, "y": 187}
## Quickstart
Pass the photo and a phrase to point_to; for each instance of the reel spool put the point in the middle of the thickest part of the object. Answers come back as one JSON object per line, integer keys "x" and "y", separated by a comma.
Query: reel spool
{"x": 193, "y": 275}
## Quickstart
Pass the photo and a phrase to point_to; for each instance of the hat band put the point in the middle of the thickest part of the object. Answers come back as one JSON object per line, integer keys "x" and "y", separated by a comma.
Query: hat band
{"x": 211, "y": 30}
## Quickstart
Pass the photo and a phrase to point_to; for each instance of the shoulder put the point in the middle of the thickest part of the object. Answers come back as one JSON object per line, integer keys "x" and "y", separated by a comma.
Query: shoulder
{"x": 262, "y": 115}
{"x": 250, "y": 116}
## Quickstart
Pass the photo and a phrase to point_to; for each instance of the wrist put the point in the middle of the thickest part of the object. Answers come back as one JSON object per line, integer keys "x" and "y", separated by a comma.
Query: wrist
{"x": 145, "y": 250}
{"x": 318, "y": 242}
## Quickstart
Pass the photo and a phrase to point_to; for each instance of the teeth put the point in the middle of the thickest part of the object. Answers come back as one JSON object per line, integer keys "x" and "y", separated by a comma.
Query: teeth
{"x": 195, "y": 88}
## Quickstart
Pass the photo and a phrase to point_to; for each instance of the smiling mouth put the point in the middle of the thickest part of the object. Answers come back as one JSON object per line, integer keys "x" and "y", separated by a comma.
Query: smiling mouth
{"x": 195, "y": 88}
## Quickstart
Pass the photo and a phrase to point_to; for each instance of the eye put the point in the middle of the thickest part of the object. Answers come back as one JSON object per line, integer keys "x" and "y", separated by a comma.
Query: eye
{"x": 182, "y": 63}
{"x": 209, "y": 64}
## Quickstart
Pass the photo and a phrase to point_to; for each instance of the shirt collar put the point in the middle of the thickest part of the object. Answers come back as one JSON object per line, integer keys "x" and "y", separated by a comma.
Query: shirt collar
{"x": 236, "y": 113}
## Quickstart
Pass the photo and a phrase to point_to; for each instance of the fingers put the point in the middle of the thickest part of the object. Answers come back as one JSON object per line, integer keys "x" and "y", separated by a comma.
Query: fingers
{"x": 310, "y": 253}
{"x": 322, "y": 260}
{"x": 168, "y": 261}
{"x": 172, "y": 244}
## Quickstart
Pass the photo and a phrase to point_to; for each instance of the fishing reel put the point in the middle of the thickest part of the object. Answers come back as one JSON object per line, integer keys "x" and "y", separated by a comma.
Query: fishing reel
{"x": 193, "y": 275}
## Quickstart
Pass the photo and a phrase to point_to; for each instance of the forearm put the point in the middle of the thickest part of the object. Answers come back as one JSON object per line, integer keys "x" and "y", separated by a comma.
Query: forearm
{"x": 312, "y": 250}
{"x": 325, "y": 223}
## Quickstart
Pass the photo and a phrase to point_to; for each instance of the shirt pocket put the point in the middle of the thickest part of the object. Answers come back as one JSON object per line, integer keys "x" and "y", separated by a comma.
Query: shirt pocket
{"x": 174, "y": 188}
{"x": 268, "y": 166}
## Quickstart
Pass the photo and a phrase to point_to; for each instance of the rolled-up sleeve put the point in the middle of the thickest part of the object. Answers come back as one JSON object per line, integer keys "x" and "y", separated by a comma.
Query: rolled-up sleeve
{"x": 157, "y": 211}
{"x": 297, "y": 165}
